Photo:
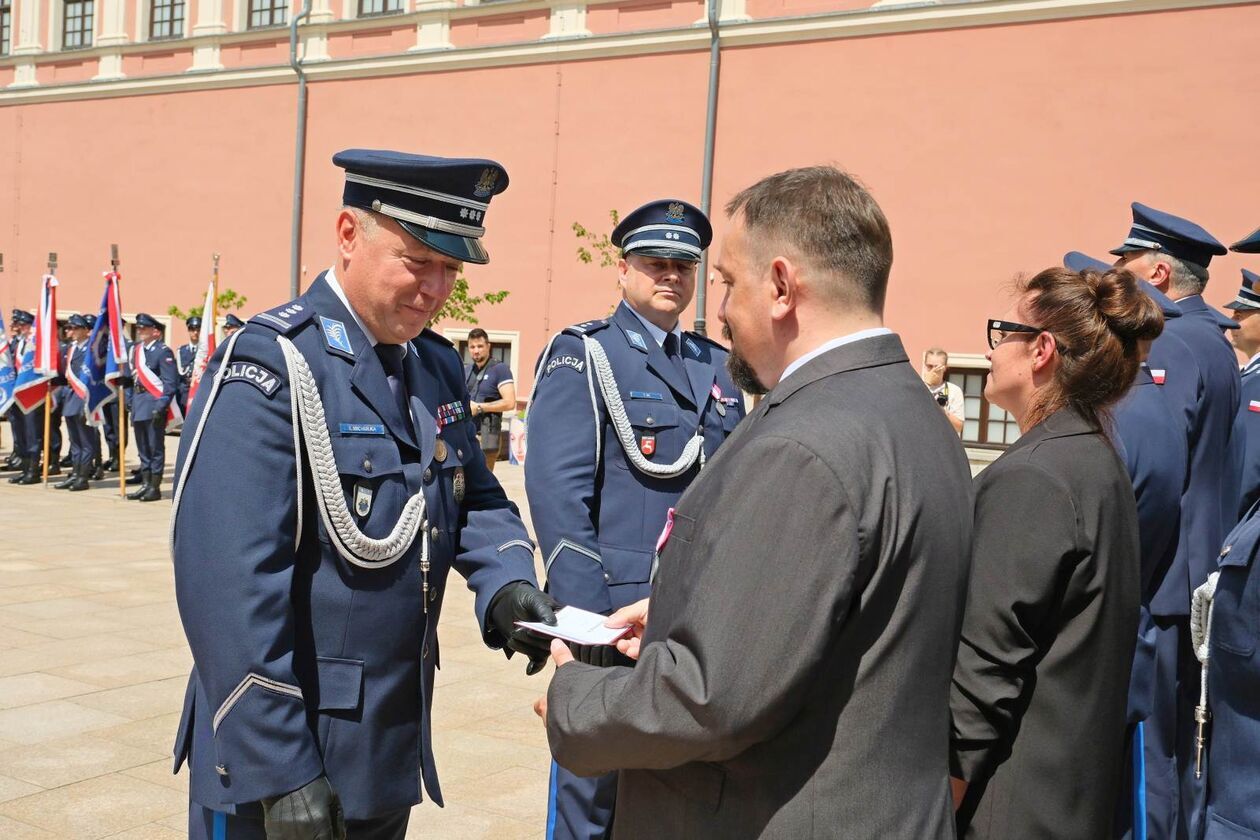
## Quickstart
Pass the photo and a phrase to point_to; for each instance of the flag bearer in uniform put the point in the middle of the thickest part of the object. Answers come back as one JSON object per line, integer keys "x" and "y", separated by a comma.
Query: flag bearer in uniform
{"x": 84, "y": 440}
{"x": 184, "y": 360}
{"x": 624, "y": 414}
{"x": 20, "y": 328}
{"x": 156, "y": 382}
{"x": 332, "y": 435}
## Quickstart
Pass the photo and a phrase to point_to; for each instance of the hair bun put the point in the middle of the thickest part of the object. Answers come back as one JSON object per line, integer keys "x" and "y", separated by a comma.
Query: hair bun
{"x": 1129, "y": 312}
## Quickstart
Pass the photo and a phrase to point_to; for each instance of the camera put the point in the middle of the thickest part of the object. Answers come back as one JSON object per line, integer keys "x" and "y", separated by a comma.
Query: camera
{"x": 942, "y": 399}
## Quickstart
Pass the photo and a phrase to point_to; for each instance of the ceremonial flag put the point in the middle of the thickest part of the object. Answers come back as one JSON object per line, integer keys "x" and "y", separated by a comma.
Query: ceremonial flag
{"x": 8, "y": 373}
{"x": 47, "y": 342}
{"x": 205, "y": 342}
{"x": 41, "y": 355}
{"x": 106, "y": 351}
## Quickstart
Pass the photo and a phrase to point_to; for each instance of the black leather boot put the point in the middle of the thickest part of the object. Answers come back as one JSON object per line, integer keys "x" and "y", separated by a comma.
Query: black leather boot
{"x": 67, "y": 461}
{"x": 136, "y": 477}
{"x": 143, "y": 488}
{"x": 152, "y": 489}
{"x": 79, "y": 481}
{"x": 112, "y": 464}
{"x": 70, "y": 479}
{"x": 31, "y": 475}
{"x": 53, "y": 468}
{"x": 17, "y": 479}
{"x": 98, "y": 469}
{"x": 12, "y": 463}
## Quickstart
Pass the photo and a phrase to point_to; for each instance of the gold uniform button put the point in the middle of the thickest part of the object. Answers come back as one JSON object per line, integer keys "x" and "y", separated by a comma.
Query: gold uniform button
{"x": 439, "y": 450}
{"x": 434, "y": 533}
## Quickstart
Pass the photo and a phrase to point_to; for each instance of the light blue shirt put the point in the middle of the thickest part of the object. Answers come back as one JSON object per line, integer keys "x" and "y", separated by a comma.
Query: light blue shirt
{"x": 832, "y": 345}
{"x": 656, "y": 332}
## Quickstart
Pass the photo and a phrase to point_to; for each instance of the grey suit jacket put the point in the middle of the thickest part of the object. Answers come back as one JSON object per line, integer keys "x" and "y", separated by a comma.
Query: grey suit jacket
{"x": 794, "y": 679}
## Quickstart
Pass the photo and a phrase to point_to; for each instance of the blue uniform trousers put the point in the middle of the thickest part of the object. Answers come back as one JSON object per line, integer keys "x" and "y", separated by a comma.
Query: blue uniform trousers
{"x": 111, "y": 424}
{"x": 204, "y": 824}
{"x": 85, "y": 441}
{"x": 151, "y": 443}
{"x": 1174, "y": 798}
{"x": 579, "y": 807}
{"x": 17, "y": 423}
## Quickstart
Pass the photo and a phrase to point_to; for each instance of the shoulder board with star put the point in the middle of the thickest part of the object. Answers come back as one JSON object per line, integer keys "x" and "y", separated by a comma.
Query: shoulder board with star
{"x": 285, "y": 318}
{"x": 586, "y": 327}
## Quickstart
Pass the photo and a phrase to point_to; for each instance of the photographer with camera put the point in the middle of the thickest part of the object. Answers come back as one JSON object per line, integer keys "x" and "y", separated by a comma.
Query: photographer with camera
{"x": 948, "y": 396}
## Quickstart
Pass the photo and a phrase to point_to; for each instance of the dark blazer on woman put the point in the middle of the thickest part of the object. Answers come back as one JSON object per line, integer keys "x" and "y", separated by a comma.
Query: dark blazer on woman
{"x": 1039, "y": 691}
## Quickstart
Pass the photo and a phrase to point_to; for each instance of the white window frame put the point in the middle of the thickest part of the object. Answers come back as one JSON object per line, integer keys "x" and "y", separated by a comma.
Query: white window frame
{"x": 512, "y": 337}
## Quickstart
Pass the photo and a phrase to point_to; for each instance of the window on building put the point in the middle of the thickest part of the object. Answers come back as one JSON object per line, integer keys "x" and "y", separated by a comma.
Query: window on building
{"x": 6, "y": 26}
{"x": 76, "y": 24}
{"x": 166, "y": 19}
{"x": 368, "y": 8}
{"x": 268, "y": 13}
{"x": 985, "y": 424}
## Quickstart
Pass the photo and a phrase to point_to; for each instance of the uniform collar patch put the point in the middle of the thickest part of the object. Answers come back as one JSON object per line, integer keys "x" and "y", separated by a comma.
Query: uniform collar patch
{"x": 336, "y": 336}
{"x": 636, "y": 340}
{"x": 693, "y": 347}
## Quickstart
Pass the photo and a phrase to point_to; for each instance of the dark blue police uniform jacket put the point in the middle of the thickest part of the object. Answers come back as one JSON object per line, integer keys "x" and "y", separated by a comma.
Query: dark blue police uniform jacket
{"x": 1208, "y": 508}
{"x": 1248, "y": 427}
{"x": 143, "y": 405}
{"x": 306, "y": 664}
{"x": 73, "y": 404}
{"x": 598, "y": 518}
{"x": 187, "y": 353}
{"x": 1152, "y": 445}
{"x": 1233, "y": 807}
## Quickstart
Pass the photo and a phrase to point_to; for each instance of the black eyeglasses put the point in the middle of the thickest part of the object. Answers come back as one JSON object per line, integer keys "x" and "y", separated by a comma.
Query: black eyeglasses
{"x": 999, "y": 331}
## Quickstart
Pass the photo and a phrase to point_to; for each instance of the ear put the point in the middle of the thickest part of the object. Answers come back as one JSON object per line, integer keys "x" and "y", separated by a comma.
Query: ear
{"x": 1045, "y": 353}
{"x": 784, "y": 290}
{"x": 623, "y": 272}
{"x": 1161, "y": 275}
{"x": 347, "y": 233}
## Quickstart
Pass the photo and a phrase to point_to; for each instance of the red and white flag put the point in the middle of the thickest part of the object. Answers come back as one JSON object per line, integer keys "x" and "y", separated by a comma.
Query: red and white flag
{"x": 1253, "y": 405}
{"x": 205, "y": 342}
{"x": 47, "y": 347}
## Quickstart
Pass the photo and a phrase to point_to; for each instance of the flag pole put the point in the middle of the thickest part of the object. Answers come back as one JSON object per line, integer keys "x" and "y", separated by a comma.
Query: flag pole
{"x": 52, "y": 269}
{"x": 122, "y": 393}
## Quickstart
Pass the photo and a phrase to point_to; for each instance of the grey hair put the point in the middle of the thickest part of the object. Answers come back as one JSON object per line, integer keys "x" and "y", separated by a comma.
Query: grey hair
{"x": 1185, "y": 278}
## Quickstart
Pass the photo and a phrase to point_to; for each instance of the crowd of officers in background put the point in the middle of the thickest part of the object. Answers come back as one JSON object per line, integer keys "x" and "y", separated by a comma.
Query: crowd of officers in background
{"x": 94, "y": 447}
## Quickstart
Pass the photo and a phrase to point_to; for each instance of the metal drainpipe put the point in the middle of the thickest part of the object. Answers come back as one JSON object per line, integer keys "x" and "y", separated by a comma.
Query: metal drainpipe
{"x": 710, "y": 137}
{"x": 299, "y": 154}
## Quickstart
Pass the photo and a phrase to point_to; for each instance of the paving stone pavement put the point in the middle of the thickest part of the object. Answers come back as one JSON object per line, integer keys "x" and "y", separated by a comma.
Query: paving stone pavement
{"x": 93, "y": 665}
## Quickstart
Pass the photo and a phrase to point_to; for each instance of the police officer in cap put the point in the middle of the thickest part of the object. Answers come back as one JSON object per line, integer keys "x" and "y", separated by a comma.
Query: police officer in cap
{"x": 231, "y": 324}
{"x": 84, "y": 440}
{"x": 1230, "y": 602}
{"x": 624, "y": 413}
{"x": 30, "y": 437}
{"x": 1173, "y": 254}
{"x": 155, "y": 382}
{"x": 333, "y": 438}
{"x": 1246, "y": 339}
{"x": 1151, "y": 438}
{"x": 184, "y": 359}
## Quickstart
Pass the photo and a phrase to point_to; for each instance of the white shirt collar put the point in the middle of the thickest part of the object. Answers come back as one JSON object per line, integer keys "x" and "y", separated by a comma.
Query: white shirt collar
{"x": 331, "y": 277}
{"x": 656, "y": 332}
{"x": 1252, "y": 361}
{"x": 831, "y": 345}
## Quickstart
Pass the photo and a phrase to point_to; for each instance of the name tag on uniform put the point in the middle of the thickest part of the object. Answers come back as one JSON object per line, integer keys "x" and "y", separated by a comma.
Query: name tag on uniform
{"x": 646, "y": 395}
{"x": 361, "y": 429}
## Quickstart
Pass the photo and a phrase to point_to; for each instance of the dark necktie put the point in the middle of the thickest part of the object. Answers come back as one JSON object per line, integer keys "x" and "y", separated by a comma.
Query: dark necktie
{"x": 391, "y": 356}
{"x": 675, "y": 358}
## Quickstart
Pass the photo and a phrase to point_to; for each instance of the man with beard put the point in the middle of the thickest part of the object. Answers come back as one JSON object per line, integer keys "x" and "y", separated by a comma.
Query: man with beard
{"x": 793, "y": 680}
{"x": 625, "y": 413}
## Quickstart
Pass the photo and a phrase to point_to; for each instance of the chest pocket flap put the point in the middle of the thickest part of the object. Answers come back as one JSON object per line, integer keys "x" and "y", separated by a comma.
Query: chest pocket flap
{"x": 366, "y": 457}
{"x": 1237, "y": 598}
{"x": 652, "y": 414}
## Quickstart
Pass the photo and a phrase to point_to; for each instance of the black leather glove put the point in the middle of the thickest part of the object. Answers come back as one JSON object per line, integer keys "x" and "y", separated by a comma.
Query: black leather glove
{"x": 312, "y": 812}
{"x": 601, "y": 656}
{"x": 521, "y": 601}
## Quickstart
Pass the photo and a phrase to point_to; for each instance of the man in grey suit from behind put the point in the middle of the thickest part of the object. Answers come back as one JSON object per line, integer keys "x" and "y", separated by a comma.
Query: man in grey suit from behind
{"x": 794, "y": 678}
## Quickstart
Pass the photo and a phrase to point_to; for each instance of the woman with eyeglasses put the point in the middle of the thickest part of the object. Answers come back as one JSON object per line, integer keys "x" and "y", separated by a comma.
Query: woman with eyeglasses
{"x": 1040, "y": 683}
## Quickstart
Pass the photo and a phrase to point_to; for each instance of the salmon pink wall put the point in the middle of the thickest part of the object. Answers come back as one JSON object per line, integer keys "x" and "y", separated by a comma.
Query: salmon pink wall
{"x": 992, "y": 150}
{"x": 634, "y": 15}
